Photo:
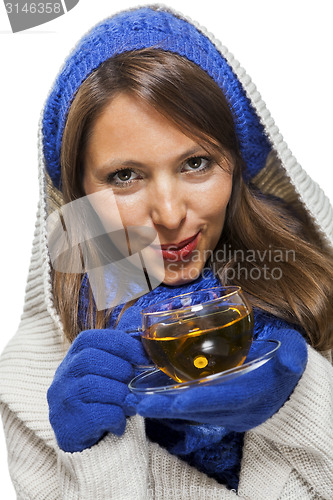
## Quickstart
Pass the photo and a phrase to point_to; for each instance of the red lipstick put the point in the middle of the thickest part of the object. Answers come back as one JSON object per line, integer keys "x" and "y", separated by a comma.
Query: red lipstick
{"x": 175, "y": 252}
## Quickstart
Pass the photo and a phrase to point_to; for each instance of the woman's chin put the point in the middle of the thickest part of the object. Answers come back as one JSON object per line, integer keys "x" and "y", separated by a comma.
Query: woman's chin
{"x": 182, "y": 277}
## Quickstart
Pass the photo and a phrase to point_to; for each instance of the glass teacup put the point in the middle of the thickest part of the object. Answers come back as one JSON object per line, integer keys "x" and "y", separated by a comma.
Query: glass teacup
{"x": 198, "y": 334}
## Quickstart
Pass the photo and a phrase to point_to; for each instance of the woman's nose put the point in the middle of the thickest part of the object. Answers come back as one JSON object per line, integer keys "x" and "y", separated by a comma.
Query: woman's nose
{"x": 168, "y": 204}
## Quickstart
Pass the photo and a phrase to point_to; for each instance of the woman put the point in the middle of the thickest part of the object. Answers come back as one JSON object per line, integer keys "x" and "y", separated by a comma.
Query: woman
{"x": 151, "y": 121}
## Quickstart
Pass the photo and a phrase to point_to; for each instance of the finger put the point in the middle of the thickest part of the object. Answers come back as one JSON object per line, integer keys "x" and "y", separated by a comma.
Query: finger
{"x": 104, "y": 418}
{"x": 236, "y": 394}
{"x": 115, "y": 342}
{"x": 97, "y": 389}
{"x": 97, "y": 362}
{"x": 130, "y": 404}
{"x": 187, "y": 402}
{"x": 154, "y": 406}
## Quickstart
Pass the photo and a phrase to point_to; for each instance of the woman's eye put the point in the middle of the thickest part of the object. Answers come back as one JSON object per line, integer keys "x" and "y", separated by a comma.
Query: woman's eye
{"x": 199, "y": 163}
{"x": 124, "y": 175}
{"x": 121, "y": 177}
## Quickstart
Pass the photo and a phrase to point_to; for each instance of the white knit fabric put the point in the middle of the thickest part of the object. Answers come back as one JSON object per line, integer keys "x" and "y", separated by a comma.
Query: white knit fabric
{"x": 289, "y": 457}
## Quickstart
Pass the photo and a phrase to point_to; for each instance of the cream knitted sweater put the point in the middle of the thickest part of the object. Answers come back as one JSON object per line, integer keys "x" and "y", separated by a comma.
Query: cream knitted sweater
{"x": 289, "y": 457}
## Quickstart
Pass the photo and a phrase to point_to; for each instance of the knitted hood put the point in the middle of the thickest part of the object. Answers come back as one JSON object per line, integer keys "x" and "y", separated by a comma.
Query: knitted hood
{"x": 32, "y": 356}
{"x": 269, "y": 163}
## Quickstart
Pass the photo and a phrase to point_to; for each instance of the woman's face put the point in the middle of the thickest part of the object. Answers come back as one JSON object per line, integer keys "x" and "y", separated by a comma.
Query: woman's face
{"x": 160, "y": 179}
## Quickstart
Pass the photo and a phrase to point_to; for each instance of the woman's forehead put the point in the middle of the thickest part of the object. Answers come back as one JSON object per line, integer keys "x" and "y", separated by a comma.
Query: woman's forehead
{"x": 129, "y": 111}
{"x": 130, "y": 124}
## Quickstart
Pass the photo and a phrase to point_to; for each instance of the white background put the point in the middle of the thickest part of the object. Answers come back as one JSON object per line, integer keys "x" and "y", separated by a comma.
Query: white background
{"x": 285, "y": 46}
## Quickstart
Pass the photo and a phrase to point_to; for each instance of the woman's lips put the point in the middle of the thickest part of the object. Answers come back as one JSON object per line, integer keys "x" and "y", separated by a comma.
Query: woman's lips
{"x": 177, "y": 246}
{"x": 177, "y": 252}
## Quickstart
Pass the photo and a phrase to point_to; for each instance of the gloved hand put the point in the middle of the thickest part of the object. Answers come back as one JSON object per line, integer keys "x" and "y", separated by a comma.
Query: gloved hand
{"x": 244, "y": 402}
{"x": 89, "y": 395}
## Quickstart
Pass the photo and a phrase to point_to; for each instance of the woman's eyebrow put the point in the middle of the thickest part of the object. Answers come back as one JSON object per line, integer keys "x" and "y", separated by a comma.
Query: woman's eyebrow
{"x": 118, "y": 162}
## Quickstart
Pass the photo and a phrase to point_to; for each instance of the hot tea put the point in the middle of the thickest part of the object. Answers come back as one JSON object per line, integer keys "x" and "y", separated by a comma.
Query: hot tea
{"x": 201, "y": 345}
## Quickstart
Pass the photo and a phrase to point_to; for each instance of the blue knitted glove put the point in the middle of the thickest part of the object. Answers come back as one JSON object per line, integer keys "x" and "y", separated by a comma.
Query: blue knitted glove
{"x": 89, "y": 395}
{"x": 242, "y": 403}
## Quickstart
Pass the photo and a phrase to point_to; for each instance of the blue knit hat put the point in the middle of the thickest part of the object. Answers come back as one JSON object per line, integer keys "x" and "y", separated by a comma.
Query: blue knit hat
{"x": 141, "y": 28}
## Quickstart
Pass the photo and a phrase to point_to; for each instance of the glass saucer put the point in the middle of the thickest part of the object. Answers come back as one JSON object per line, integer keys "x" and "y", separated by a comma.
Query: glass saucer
{"x": 154, "y": 381}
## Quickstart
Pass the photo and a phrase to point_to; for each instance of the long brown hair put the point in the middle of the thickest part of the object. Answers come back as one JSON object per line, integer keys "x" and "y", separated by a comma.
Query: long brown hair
{"x": 257, "y": 226}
